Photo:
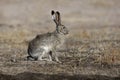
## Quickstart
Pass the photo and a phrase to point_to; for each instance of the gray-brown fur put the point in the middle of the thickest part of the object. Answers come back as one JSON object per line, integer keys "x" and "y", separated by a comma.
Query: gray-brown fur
{"x": 47, "y": 43}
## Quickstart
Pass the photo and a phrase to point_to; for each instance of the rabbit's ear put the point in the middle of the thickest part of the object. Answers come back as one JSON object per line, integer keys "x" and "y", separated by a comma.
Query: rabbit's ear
{"x": 53, "y": 14}
{"x": 54, "y": 17}
{"x": 58, "y": 17}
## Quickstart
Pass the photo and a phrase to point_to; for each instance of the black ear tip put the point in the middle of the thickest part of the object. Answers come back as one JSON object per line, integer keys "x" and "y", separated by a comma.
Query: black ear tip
{"x": 52, "y": 12}
{"x": 57, "y": 12}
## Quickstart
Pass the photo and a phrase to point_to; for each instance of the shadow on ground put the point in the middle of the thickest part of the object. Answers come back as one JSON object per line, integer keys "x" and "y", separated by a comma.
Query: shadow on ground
{"x": 39, "y": 76}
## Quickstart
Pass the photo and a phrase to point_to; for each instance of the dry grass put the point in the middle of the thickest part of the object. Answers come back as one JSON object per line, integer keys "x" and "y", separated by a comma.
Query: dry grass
{"x": 89, "y": 47}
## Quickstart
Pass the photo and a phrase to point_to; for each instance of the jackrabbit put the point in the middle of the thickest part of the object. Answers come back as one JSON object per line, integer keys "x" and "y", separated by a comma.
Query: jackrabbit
{"x": 48, "y": 42}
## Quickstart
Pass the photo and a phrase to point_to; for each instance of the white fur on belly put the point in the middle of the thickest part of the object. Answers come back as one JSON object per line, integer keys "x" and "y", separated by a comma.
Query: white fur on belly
{"x": 47, "y": 48}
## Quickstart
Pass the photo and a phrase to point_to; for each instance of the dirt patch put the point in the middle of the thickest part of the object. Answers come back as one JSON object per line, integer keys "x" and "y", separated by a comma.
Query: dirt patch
{"x": 40, "y": 76}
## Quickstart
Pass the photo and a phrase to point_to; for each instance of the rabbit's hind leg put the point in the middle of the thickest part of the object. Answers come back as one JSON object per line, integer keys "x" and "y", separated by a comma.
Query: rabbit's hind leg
{"x": 29, "y": 58}
{"x": 40, "y": 57}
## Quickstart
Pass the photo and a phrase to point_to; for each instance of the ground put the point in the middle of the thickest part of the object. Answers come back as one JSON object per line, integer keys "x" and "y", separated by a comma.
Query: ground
{"x": 91, "y": 50}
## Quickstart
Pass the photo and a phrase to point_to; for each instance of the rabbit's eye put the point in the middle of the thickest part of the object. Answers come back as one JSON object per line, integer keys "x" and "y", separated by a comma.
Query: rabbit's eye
{"x": 63, "y": 27}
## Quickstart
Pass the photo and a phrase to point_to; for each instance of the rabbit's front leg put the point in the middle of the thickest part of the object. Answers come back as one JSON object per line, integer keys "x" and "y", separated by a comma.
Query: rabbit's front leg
{"x": 56, "y": 57}
{"x": 50, "y": 56}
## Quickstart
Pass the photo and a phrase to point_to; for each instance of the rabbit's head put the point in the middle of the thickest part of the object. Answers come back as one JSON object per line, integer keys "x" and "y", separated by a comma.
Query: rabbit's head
{"x": 61, "y": 29}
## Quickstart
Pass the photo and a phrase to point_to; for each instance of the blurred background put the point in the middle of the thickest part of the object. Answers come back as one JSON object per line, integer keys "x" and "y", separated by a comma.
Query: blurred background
{"x": 82, "y": 11}
{"x": 34, "y": 15}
